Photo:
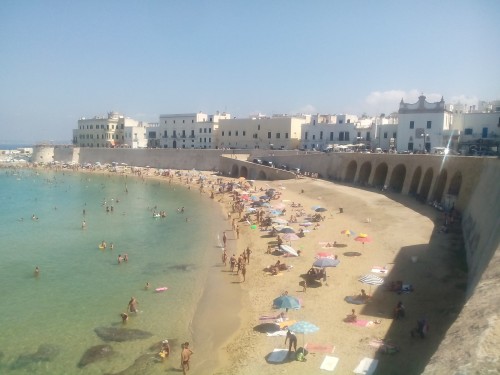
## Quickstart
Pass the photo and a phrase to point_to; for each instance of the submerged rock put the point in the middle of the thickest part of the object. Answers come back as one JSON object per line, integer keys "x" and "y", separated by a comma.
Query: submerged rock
{"x": 185, "y": 267}
{"x": 45, "y": 353}
{"x": 95, "y": 353}
{"x": 121, "y": 334}
{"x": 141, "y": 366}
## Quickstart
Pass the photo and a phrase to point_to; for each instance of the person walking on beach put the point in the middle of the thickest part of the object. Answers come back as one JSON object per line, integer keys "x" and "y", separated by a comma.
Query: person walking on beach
{"x": 224, "y": 238}
{"x": 237, "y": 232}
{"x": 232, "y": 263}
{"x": 244, "y": 272}
{"x": 248, "y": 252}
{"x": 293, "y": 341}
{"x": 224, "y": 257}
{"x": 185, "y": 357}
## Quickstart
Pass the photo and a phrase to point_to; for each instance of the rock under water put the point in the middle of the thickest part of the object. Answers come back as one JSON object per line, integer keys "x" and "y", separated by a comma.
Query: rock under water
{"x": 141, "y": 366}
{"x": 45, "y": 353}
{"x": 121, "y": 334}
{"x": 95, "y": 353}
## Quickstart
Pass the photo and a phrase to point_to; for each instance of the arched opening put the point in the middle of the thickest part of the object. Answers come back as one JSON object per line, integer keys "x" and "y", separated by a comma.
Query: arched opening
{"x": 380, "y": 175}
{"x": 244, "y": 172}
{"x": 455, "y": 184}
{"x": 415, "y": 181}
{"x": 261, "y": 175}
{"x": 364, "y": 173}
{"x": 426, "y": 184}
{"x": 235, "y": 171}
{"x": 440, "y": 184}
{"x": 397, "y": 178}
{"x": 351, "y": 171}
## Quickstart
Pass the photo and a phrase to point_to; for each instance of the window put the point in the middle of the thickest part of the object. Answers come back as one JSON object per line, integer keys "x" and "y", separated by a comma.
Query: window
{"x": 410, "y": 146}
{"x": 258, "y": 127}
{"x": 348, "y": 120}
{"x": 286, "y": 135}
{"x": 341, "y": 121}
{"x": 341, "y": 136}
{"x": 385, "y": 135}
{"x": 346, "y": 136}
{"x": 429, "y": 124}
{"x": 278, "y": 135}
{"x": 320, "y": 135}
{"x": 183, "y": 121}
{"x": 314, "y": 137}
{"x": 368, "y": 136}
{"x": 174, "y": 121}
{"x": 200, "y": 140}
{"x": 412, "y": 124}
{"x": 229, "y": 133}
{"x": 223, "y": 133}
{"x": 331, "y": 136}
{"x": 192, "y": 121}
{"x": 209, "y": 130}
{"x": 305, "y": 135}
{"x": 204, "y": 130}
{"x": 210, "y": 119}
{"x": 244, "y": 133}
{"x": 201, "y": 130}
{"x": 268, "y": 134}
{"x": 255, "y": 136}
{"x": 468, "y": 131}
{"x": 192, "y": 133}
{"x": 394, "y": 135}
{"x": 236, "y": 133}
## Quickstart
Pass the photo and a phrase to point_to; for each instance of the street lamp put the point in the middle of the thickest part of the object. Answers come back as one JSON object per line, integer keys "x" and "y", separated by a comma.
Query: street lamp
{"x": 425, "y": 142}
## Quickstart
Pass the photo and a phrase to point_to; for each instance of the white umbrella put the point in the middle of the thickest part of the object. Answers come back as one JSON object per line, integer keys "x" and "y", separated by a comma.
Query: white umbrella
{"x": 289, "y": 250}
{"x": 371, "y": 280}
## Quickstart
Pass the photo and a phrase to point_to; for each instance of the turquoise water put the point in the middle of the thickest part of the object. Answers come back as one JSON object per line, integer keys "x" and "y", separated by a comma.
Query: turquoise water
{"x": 81, "y": 287}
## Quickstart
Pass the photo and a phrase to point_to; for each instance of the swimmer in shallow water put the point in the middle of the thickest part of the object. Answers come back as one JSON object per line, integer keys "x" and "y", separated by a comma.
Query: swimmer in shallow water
{"x": 37, "y": 271}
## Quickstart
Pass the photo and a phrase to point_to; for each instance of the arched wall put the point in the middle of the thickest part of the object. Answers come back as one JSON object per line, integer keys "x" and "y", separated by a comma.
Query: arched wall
{"x": 351, "y": 171}
{"x": 415, "y": 181}
{"x": 364, "y": 173}
{"x": 426, "y": 184}
{"x": 397, "y": 178}
{"x": 380, "y": 175}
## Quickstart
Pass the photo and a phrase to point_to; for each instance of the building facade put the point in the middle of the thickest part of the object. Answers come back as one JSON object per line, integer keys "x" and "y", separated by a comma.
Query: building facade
{"x": 279, "y": 132}
{"x": 422, "y": 125}
{"x": 114, "y": 130}
{"x": 190, "y": 130}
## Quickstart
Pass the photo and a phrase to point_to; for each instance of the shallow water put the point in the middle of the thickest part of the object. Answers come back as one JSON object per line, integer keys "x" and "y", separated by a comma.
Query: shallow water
{"x": 81, "y": 287}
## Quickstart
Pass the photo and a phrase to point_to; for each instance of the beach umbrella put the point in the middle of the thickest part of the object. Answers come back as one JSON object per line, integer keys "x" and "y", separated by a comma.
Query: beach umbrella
{"x": 363, "y": 238}
{"x": 324, "y": 254}
{"x": 306, "y": 224}
{"x": 348, "y": 232}
{"x": 370, "y": 280}
{"x": 287, "y": 230}
{"x": 321, "y": 209}
{"x": 304, "y": 328}
{"x": 291, "y": 237}
{"x": 286, "y": 302}
{"x": 288, "y": 249}
{"x": 315, "y": 207}
{"x": 326, "y": 262}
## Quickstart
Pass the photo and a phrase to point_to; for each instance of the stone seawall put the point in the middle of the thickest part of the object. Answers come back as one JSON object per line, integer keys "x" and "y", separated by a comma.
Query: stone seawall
{"x": 472, "y": 344}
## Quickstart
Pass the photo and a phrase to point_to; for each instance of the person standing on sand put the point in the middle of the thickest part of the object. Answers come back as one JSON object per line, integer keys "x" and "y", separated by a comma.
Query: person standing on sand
{"x": 224, "y": 257}
{"x": 237, "y": 232}
{"x": 185, "y": 357}
{"x": 293, "y": 341}
{"x": 224, "y": 238}
{"x": 244, "y": 272}
{"x": 248, "y": 252}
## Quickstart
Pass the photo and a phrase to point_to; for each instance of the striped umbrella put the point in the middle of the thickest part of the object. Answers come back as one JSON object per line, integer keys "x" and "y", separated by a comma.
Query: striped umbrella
{"x": 370, "y": 279}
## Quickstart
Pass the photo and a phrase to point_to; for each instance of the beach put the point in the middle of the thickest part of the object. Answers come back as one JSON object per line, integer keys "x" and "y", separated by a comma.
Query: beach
{"x": 405, "y": 246}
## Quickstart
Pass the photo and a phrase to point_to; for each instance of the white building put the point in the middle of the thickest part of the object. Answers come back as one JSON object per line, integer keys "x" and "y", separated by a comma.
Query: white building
{"x": 422, "y": 125}
{"x": 190, "y": 130}
{"x": 114, "y": 130}
{"x": 276, "y": 132}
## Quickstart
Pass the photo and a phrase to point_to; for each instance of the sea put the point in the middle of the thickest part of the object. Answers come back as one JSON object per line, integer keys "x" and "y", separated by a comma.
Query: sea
{"x": 48, "y": 321}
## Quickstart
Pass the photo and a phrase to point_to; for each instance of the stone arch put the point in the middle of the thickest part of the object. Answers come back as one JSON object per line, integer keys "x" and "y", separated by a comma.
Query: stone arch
{"x": 398, "y": 176}
{"x": 261, "y": 175}
{"x": 244, "y": 172}
{"x": 440, "y": 184}
{"x": 364, "y": 173}
{"x": 455, "y": 184}
{"x": 332, "y": 172}
{"x": 235, "y": 171}
{"x": 351, "y": 171}
{"x": 426, "y": 184}
{"x": 380, "y": 175}
{"x": 417, "y": 175}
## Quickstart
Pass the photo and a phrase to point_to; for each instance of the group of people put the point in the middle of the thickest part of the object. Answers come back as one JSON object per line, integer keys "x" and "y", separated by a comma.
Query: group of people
{"x": 186, "y": 354}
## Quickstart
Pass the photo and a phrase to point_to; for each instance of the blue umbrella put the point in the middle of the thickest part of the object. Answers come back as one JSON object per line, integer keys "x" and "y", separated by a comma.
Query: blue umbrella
{"x": 326, "y": 262}
{"x": 286, "y": 302}
{"x": 287, "y": 230}
{"x": 303, "y": 327}
{"x": 321, "y": 209}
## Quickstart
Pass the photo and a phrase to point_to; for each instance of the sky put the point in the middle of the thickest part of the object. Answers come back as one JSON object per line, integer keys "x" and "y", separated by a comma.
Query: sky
{"x": 63, "y": 60}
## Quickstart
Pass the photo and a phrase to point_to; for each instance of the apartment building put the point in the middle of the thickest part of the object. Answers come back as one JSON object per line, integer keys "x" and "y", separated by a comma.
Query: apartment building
{"x": 115, "y": 130}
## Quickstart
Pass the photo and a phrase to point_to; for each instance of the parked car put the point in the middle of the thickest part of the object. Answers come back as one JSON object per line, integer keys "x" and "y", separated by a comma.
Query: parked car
{"x": 268, "y": 163}
{"x": 257, "y": 161}
{"x": 295, "y": 170}
{"x": 284, "y": 167}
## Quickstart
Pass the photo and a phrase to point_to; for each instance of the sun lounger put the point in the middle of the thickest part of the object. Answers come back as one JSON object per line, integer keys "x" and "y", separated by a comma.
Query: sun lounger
{"x": 366, "y": 366}
{"x": 319, "y": 348}
{"x": 277, "y": 356}
{"x": 329, "y": 363}
{"x": 277, "y": 333}
{"x": 381, "y": 270}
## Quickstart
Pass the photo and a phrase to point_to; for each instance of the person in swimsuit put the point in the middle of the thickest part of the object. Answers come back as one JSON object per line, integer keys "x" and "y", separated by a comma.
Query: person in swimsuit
{"x": 185, "y": 357}
{"x": 132, "y": 305}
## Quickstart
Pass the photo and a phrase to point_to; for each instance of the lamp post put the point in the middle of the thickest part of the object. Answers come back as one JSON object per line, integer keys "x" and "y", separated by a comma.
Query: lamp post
{"x": 426, "y": 136}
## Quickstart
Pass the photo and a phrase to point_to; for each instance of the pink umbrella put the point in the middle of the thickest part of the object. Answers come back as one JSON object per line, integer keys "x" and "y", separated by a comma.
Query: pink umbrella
{"x": 291, "y": 237}
{"x": 363, "y": 239}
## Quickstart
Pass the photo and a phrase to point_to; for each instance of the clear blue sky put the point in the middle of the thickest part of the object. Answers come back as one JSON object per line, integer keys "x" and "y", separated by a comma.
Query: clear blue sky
{"x": 62, "y": 60}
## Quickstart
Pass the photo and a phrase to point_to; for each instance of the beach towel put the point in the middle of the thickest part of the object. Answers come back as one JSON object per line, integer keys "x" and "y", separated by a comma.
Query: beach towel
{"x": 276, "y": 333}
{"x": 286, "y": 323}
{"x": 355, "y": 300}
{"x": 362, "y": 323}
{"x": 329, "y": 363}
{"x": 319, "y": 348}
{"x": 277, "y": 356}
{"x": 381, "y": 270}
{"x": 366, "y": 366}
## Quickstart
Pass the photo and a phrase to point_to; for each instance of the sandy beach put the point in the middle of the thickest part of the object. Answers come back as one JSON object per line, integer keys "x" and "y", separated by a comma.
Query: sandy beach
{"x": 405, "y": 243}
